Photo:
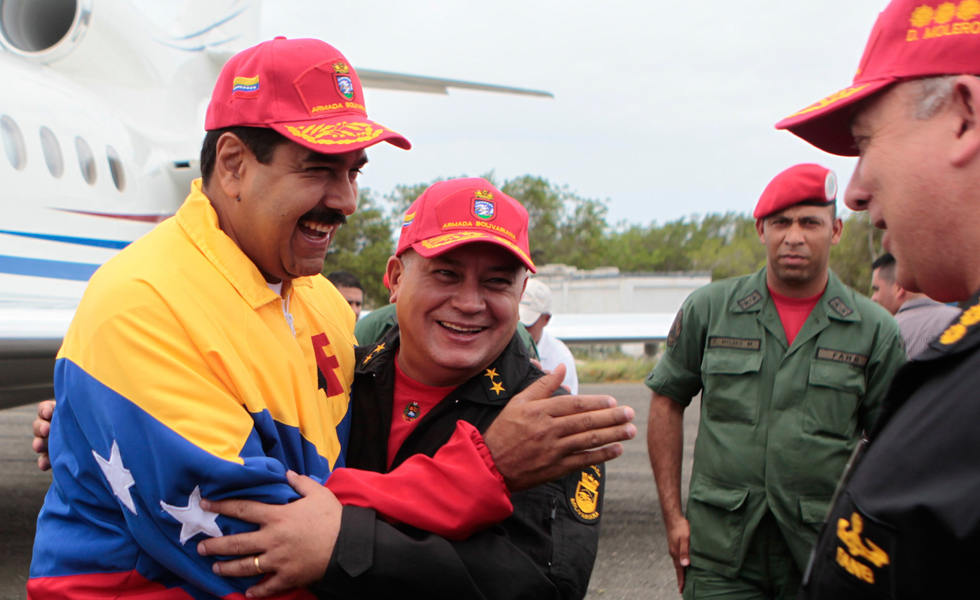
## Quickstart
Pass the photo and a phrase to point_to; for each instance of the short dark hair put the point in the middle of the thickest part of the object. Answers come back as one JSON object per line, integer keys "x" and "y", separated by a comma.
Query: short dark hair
{"x": 885, "y": 262}
{"x": 262, "y": 142}
{"x": 345, "y": 279}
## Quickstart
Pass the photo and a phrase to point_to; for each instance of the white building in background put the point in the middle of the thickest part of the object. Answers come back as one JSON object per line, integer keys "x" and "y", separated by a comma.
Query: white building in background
{"x": 606, "y": 290}
{"x": 606, "y": 306}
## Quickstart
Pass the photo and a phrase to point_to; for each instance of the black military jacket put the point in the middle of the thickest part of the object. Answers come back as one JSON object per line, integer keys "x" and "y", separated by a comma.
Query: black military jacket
{"x": 907, "y": 521}
{"x": 546, "y": 549}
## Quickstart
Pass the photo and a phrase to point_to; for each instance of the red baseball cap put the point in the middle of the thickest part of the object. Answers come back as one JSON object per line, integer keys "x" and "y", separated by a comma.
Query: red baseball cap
{"x": 462, "y": 211}
{"x": 911, "y": 39}
{"x": 808, "y": 184}
{"x": 305, "y": 89}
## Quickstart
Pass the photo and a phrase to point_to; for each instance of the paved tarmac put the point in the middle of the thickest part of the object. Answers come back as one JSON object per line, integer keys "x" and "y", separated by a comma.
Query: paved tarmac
{"x": 632, "y": 563}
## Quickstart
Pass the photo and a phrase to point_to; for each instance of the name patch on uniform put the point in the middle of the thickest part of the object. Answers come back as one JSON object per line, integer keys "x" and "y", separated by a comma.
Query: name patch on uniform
{"x": 736, "y": 343}
{"x": 584, "y": 494}
{"x": 838, "y": 306}
{"x": 750, "y": 300}
{"x": 858, "y": 360}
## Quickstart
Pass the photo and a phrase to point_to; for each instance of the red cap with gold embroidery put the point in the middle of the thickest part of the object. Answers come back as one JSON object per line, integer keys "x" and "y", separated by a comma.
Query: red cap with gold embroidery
{"x": 808, "y": 184}
{"x": 305, "y": 89}
{"x": 911, "y": 39}
{"x": 461, "y": 211}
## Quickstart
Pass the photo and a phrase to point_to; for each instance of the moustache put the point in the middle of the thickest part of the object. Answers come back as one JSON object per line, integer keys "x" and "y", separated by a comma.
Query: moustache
{"x": 325, "y": 216}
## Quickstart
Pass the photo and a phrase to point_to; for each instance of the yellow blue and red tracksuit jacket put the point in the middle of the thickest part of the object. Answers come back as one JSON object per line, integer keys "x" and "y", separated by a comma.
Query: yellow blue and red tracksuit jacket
{"x": 181, "y": 377}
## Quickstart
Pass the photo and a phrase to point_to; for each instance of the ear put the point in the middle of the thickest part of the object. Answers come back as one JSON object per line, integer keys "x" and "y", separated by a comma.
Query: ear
{"x": 900, "y": 294}
{"x": 965, "y": 108}
{"x": 395, "y": 270}
{"x": 527, "y": 277}
{"x": 547, "y": 319}
{"x": 838, "y": 231}
{"x": 229, "y": 164}
{"x": 760, "y": 228}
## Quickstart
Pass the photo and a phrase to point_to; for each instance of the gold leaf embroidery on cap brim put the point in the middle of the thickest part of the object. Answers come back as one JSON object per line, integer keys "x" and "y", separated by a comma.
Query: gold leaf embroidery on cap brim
{"x": 449, "y": 238}
{"x": 338, "y": 133}
{"x": 841, "y": 95}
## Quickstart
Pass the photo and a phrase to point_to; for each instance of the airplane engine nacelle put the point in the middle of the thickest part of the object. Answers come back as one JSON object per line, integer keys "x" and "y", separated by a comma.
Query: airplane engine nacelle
{"x": 43, "y": 30}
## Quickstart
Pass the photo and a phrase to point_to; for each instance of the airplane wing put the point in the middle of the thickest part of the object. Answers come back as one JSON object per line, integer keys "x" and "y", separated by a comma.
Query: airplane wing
{"x": 433, "y": 85}
{"x": 611, "y": 328}
{"x": 30, "y": 335}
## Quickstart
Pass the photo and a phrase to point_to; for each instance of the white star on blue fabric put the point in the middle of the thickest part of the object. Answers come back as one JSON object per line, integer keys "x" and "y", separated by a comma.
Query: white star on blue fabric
{"x": 193, "y": 519}
{"x": 120, "y": 479}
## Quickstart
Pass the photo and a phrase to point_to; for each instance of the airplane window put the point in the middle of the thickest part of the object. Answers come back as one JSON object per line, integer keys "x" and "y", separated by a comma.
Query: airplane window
{"x": 13, "y": 143}
{"x": 116, "y": 168}
{"x": 52, "y": 152}
{"x": 86, "y": 160}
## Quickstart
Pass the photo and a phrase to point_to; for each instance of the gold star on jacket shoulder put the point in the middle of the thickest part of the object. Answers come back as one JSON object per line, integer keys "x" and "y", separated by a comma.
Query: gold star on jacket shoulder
{"x": 377, "y": 349}
{"x": 497, "y": 385}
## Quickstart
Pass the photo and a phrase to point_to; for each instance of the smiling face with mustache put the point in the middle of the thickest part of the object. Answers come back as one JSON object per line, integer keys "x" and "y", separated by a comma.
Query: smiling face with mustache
{"x": 798, "y": 241}
{"x": 284, "y": 214}
{"x": 457, "y": 312}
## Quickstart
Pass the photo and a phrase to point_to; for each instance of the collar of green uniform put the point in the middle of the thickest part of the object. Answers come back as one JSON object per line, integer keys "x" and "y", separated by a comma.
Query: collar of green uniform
{"x": 494, "y": 385}
{"x": 837, "y": 300}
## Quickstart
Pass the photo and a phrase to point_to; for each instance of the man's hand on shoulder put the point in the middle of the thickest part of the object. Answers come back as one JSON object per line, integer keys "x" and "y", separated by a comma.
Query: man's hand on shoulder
{"x": 42, "y": 429}
{"x": 293, "y": 544}
{"x": 538, "y": 438}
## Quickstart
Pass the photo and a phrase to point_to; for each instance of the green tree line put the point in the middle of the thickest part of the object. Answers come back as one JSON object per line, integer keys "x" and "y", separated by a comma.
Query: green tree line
{"x": 566, "y": 228}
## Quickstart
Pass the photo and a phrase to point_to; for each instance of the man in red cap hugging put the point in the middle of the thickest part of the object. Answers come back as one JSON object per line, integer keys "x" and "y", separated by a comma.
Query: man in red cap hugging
{"x": 907, "y": 522}
{"x": 210, "y": 360}
{"x": 791, "y": 365}
{"x": 449, "y": 367}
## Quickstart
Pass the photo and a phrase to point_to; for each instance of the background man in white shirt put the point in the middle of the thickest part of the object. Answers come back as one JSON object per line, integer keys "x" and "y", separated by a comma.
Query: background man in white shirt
{"x": 535, "y": 315}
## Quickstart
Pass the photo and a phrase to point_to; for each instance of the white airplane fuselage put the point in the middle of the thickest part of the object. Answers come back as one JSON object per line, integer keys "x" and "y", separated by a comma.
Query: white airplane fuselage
{"x": 101, "y": 134}
{"x": 102, "y": 118}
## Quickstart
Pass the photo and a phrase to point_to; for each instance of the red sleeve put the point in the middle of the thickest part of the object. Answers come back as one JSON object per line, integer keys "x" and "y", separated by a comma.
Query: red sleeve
{"x": 453, "y": 494}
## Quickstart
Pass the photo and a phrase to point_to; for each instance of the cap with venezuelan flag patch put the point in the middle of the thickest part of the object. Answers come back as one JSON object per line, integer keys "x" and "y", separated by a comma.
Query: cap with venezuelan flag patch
{"x": 911, "y": 39}
{"x": 462, "y": 211}
{"x": 305, "y": 89}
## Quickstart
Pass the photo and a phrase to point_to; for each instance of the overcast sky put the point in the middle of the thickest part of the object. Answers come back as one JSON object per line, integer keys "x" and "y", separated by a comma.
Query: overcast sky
{"x": 666, "y": 109}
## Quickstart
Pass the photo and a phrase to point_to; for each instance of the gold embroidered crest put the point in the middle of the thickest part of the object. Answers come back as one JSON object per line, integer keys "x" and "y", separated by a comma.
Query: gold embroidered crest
{"x": 586, "y": 496}
{"x": 850, "y": 534}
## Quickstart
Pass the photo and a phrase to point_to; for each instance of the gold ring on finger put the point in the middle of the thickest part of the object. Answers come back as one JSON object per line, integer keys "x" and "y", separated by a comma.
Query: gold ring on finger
{"x": 255, "y": 559}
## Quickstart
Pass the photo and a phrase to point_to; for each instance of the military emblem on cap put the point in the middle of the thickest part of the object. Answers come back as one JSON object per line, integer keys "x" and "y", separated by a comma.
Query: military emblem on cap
{"x": 344, "y": 82}
{"x": 830, "y": 186}
{"x": 483, "y": 205}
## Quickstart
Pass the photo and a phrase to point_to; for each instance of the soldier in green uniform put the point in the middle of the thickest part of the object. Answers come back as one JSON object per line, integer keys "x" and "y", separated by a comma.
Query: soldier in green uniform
{"x": 792, "y": 365}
